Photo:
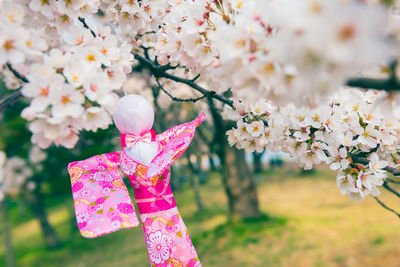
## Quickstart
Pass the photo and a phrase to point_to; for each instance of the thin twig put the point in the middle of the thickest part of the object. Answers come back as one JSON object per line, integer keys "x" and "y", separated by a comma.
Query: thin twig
{"x": 86, "y": 26}
{"x": 389, "y": 188}
{"x": 195, "y": 78}
{"x": 392, "y": 181}
{"x": 386, "y": 207}
{"x": 10, "y": 100}
{"x": 16, "y": 73}
{"x": 176, "y": 98}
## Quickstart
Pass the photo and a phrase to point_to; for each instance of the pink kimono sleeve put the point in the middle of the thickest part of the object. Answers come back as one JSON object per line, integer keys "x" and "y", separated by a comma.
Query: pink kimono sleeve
{"x": 174, "y": 142}
{"x": 102, "y": 203}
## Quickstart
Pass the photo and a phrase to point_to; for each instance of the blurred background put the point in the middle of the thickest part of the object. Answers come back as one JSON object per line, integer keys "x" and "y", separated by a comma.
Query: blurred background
{"x": 241, "y": 209}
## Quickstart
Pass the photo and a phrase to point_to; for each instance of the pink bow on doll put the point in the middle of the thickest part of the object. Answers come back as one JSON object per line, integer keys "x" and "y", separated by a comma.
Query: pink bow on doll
{"x": 128, "y": 139}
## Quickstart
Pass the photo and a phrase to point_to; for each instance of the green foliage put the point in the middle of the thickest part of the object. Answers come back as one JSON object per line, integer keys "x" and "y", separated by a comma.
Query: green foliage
{"x": 239, "y": 233}
{"x": 387, "y": 2}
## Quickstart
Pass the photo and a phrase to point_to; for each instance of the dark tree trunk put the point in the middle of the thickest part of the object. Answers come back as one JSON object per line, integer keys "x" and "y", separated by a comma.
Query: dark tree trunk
{"x": 237, "y": 178}
{"x": 196, "y": 188}
{"x": 212, "y": 163}
{"x": 240, "y": 186}
{"x": 195, "y": 173}
{"x": 258, "y": 168}
{"x": 36, "y": 204}
{"x": 71, "y": 214}
{"x": 10, "y": 260}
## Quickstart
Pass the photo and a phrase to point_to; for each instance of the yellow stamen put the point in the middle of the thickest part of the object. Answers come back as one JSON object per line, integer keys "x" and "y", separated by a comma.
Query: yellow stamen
{"x": 90, "y": 58}
{"x": 8, "y": 45}
{"x": 65, "y": 99}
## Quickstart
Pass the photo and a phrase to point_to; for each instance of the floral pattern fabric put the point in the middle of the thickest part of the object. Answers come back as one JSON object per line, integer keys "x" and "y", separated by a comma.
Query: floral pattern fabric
{"x": 103, "y": 205}
{"x": 167, "y": 240}
{"x": 102, "y": 202}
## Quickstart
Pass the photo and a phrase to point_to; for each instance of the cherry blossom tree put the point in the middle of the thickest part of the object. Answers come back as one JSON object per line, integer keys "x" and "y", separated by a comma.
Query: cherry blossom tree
{"x": 13, "y": 174}
{"x": 282, "y": 75}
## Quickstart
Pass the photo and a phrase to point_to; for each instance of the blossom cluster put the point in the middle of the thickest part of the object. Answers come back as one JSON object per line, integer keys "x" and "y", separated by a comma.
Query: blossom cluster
{"x": 73, "y": 73}
{"x": 350, "y": 123}
{"x": 13, "y": 174}
{"x": 287, "y": 51}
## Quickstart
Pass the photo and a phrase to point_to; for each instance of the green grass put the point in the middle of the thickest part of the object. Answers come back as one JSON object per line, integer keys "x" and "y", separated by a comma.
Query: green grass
{"x": 306, "y": 223}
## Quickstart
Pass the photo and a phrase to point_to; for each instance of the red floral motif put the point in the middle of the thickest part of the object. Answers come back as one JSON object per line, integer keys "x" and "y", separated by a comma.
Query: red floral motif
{"x": 77, "y": 187}
{"x": 113, "y": 157}
{"x": 100, "y": 200}
{"x": 175, "y": 219}
{"x": 148, "y": 221}
{"x": 125, "y": 208}
{"x": 82, "y": 225}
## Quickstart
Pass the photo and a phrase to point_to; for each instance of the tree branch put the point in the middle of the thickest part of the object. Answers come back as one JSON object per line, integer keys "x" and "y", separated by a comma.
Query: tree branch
{"x": 194, "y": 100}
{"x": 392, "y": 181}
{"x": 385, "y": 185}
{"x": 11, "y": 99}
{"x": 16, "y": 73}
{"x": 364, "y": 161}
{"x": 386, "y": 207}
{"x": 87, "y": 26}
{"x": 377, "y": 84}
{"x": 390, "y": 84}
{"x": 161, "y": 72}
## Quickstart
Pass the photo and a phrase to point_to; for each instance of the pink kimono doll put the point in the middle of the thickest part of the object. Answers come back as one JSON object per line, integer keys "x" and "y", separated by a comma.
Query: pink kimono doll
{"x": 102, "y": 202}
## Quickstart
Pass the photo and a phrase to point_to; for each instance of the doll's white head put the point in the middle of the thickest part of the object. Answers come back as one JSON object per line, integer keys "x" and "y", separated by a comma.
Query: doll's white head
{"x": 133, "y": 114}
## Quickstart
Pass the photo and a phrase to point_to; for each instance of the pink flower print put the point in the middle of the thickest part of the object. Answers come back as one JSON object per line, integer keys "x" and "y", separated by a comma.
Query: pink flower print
{"x": 148, "y": 221}
{"x": 134, "y": 184}
{"x": 82, "y": 225}
{"x": 100, "y": 160}
{"x": 170, "y": 228}
{"x": 101, "y": 163}
{"x": 82, "y": 217}
{"x": 113, "y": 157}
{"x": 125, "y": 208}
{"x": 188, "y": 239}
{"x": 147, "y": 229}
{"x": 103, "y": 176}
{"x": 92, "y": 208}
{"x": 102, "y": 166}
{"x": 194, "y": 263}
{"x": 77, "y": 187}
{"x": 175, "y": 219}
{"x": 112, "y": 213}
{"x": 92, "y": 172}
{"x": 128, "y": 167}
{"x": 105, "y": 184}
{"x": 86, "y": 193}
{"x": 106, "y": 190}
{"x": 99, "y": 207}
{"x": 115, "y": 224}
{"x": 160, "y": 163}
{"x": 158, "y": 245}
{"x": 100, "y": 200}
